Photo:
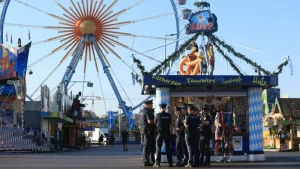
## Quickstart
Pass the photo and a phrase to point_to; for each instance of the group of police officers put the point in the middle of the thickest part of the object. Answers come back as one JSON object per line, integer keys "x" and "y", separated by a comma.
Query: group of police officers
{"x": 193, "y": 133}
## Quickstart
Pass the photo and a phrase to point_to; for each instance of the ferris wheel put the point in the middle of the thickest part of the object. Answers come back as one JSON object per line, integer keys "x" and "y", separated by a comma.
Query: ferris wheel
{"x": 101, "y": 32}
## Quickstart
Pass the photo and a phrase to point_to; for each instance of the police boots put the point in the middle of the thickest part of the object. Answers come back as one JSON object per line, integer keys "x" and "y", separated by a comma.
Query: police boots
{"x": 156, "y": 164}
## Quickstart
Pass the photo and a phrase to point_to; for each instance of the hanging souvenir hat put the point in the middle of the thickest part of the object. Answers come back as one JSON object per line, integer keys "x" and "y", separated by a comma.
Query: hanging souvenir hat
{"x": 184, "y": 106}
{"x": 177, "y": 108}
{"x": 286, "y": 122}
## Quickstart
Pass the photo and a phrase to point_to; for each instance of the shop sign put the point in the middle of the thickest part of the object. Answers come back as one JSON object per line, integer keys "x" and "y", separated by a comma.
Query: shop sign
{"x": 202, "y": 22}
{"x": 176, "y": 80}
{"x": 206, "y": 87}
{"x": 237, "y": 143}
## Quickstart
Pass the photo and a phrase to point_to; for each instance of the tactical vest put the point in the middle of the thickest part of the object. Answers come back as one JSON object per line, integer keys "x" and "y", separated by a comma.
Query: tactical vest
{"x": 163, "y": 123}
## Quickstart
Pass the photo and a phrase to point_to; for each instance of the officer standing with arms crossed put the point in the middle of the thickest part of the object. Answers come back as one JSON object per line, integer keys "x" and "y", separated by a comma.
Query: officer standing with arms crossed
{"x": 179, "y": 137}
{"x": 163, "y": 123}
{"x": 192, "y": 135}
{"x": 206, "y": 133}
{"x": 147, "y": 130}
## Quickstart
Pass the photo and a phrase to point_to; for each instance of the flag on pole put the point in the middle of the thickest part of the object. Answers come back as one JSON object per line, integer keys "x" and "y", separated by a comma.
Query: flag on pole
{"x": 133, "y": 80}
{"x": 11, "y": 40}
{"x": 290, "y": 64}
{"x": 111, "y": 120}
{"x": 29, "y": 37}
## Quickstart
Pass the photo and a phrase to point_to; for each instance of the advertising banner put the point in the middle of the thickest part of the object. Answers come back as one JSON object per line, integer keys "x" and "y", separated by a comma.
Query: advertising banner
{"x": 131, "y": 122}
{"x": 111, "y": 120}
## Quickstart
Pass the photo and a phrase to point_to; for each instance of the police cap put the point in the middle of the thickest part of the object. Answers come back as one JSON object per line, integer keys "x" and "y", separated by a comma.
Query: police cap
{"x": 191, "y": 107}
{"x": 163, "y": 105}
{"x": 148, "y": 102}
{"x": 184, "y": 106}
{"x": 177, "y": 108}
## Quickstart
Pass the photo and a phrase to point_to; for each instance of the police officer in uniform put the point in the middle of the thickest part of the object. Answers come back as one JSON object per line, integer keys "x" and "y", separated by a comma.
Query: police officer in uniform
{"x": 192, "y": 123}
{"x": 163, "y": 123}
{"x": 184, "y": 114}
{"x": 179, "y": 137}
{"x": 147, "y": 131}
{"x": 152, "y": 134}
{"x": 206, "y": 133}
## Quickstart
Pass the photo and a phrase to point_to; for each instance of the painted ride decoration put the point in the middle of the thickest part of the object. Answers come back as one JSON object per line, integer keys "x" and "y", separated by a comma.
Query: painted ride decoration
{"x": 13, "y": 65}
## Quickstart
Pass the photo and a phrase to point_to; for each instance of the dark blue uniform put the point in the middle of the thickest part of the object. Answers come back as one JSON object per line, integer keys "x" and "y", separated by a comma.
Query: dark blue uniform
{"x": 148, "y": 135}
{"x": 206, "y": 134}
{"x": 180, "y": 140}
{"x": 192, "y": 138}
{"x": 163, "y": 121}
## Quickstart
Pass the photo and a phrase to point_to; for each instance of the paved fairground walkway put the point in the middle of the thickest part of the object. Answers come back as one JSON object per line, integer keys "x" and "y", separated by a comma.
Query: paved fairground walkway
{"x": 108, "y": 157}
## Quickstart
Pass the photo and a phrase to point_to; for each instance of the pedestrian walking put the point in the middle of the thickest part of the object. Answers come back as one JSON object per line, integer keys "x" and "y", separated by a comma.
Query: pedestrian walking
{"x": 124, "y": 135}
{"x": 163, "y": 123}
{"x": 282, "y": 134}
{"x": 112, "y": 139}
{"x": 101, "y": 138}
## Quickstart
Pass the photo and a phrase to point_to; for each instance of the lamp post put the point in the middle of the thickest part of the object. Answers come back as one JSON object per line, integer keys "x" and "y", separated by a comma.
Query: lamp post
{"x": 166, "y": 44}
{"x": 120, "y": 120}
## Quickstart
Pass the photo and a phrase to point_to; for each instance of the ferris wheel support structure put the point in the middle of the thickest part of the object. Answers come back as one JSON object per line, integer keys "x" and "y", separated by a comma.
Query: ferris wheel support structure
{"x": 4, "y": 9}
{"x": 2, "y": 19}
{"x": 122, "y": 103}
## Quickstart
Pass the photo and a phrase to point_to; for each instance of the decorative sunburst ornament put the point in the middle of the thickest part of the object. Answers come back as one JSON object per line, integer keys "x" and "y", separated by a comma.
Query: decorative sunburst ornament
{"x": 90, "y": 17}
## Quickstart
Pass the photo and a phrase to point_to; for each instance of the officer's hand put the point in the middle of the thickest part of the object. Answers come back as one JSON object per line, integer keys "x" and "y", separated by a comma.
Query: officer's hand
{"x": 177, "y": 129}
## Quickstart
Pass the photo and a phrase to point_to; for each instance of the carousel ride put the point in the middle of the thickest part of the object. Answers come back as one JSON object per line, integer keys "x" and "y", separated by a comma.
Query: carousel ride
{"x": 89, "y": 31}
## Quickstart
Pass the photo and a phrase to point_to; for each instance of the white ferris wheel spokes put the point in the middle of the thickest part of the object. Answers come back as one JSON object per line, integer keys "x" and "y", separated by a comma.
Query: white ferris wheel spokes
{"x": 83, "y": 17}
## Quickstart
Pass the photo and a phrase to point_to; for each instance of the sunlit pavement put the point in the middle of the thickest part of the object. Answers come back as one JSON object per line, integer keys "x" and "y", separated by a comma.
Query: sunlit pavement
{"x": 114, "y": 157}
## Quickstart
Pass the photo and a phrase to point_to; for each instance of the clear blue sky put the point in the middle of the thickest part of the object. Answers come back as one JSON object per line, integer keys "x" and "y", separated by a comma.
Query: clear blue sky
{"x": 269, "y": 26}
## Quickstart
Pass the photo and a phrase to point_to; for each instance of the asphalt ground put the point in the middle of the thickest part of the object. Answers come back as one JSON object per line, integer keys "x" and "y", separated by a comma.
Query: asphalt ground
{"x": 114, "y": 158}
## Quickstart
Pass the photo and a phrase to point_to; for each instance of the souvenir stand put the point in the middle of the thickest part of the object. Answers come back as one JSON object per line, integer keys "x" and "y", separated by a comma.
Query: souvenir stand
{"x": 234, "y": 102}
{"x": 241, "y": 94}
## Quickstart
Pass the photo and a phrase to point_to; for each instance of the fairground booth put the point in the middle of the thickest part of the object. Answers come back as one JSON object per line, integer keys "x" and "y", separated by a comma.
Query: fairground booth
{"x": 234, "y": 102}
{"x": 242, "y": 94}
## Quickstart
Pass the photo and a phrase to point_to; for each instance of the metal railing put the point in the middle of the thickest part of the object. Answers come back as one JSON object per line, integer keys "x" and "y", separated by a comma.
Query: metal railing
{"x": 88, "y": 140}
